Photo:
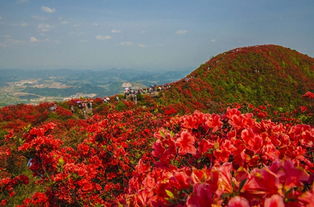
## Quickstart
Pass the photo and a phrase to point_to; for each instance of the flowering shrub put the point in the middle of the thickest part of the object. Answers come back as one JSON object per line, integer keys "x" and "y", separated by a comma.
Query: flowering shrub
{"x": 209, "y": 159}
{"x": 8, "y": 184}
{"x": 309, "y": 95}
{"x": 137, "y": 158}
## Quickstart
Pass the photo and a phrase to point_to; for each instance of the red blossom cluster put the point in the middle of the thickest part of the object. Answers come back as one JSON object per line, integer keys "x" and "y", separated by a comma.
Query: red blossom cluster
{"x": 226, "y": 160}
{"x": 309, "y": 94}
{"x": 138, "y": 158}
{"x": 93, "y": 172}
{"x": 7, "y": 185}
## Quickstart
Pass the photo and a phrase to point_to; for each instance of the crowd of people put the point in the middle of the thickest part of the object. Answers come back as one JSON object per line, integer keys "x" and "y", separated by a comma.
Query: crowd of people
{"x": 132, "y": 94}
{"x": 85, "y": 107}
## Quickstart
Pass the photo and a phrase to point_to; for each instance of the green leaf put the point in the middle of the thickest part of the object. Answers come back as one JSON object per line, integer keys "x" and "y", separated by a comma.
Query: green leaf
{"x": 242, "y": 184}
{"x": 170, "y": 194}
{"x": 61, "y": 161}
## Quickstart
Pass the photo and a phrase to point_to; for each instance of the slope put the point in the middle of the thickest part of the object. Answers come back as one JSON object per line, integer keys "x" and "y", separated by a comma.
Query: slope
{"x": 259, "y": 75}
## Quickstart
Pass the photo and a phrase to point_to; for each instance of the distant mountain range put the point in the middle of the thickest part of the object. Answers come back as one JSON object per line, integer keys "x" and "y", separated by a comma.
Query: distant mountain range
{"x": 34, "y": 86}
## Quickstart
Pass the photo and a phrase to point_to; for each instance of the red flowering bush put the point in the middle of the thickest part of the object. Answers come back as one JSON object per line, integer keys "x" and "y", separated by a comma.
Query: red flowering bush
{"x": 209, "y": 159}
{"x": 309, "y": 95}
{"x": 64, "y": 113}
{"x": 138, "y": 158}
{"x": 8, "y": 185}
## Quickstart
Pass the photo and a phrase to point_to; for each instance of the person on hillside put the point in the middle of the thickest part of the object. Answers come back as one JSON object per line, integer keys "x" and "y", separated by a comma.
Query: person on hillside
{"x": 29, "y": 162}
{"x": 126, "y": 92}
{"x": 89, "y": 105}
{"x": 53, "y": 108}
{"x": 150, "y": 90}
{"x": 79, "y": 104}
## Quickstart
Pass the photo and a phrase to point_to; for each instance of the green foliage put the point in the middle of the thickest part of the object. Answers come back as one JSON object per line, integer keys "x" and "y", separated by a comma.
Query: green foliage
{"x": 120, "y": 106}
{"x": 259, "y": 75}
{"x": 2, "y": 134}
{"x": 25, "y": 191}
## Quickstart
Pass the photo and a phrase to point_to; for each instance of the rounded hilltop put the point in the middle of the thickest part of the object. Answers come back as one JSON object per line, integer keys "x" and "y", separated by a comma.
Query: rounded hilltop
{"x": 263, "y": 74}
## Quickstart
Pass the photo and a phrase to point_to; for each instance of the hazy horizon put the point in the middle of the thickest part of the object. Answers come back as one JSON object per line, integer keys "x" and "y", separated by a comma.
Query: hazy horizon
{"x": 144, "y": 34}
{"x": 156, "y": 70}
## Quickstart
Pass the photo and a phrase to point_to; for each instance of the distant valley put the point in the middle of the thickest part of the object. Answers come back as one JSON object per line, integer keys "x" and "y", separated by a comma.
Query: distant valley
{"x": 35, "y": 86}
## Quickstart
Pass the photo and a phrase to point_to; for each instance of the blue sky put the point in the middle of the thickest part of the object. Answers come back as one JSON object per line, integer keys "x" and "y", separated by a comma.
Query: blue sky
{"x": 145, "y": 34}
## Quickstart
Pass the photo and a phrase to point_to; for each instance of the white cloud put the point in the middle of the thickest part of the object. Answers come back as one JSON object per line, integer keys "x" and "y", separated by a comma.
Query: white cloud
{"x": 103, "y": 37}
{"x": 1, "y": 17}
{"x": 213, "y": 40}
{"x": 181, "y": 32}
{"x": 115, "y": 31}
{"x": 95, "y": 24}
{"x": 44, "y": 27}
{"x": 141, "y": 45}
{"x": 48, "y": 10}
{"x": 33, "y": 39}
{"x": 126, "y": 43}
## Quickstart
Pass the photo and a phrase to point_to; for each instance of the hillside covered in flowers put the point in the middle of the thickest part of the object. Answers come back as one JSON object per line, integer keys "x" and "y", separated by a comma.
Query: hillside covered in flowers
{"x": 238, "y": 131}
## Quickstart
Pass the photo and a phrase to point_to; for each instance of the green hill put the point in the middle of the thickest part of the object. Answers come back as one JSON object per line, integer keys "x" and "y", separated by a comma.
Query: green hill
{"x": 259, "y": 75}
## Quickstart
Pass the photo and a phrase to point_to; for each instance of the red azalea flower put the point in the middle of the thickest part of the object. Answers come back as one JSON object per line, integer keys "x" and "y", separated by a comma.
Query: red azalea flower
{"x": 180, "y": 180}
{"x": 39, "y": 198}
{"x": 214, "y": 122}
{"x": 303, "y": 109}
{"x": 186, "y": 143}
{"x": 309, "y": 95}
{"x": 254, "y": 142}
{"x": 238, "y": 202}
{"x": 85, "y": 185}
{"x": 263, "y": 181}
{"x": 202, "y": 196}
{"x": 3, "y": 202}
{"x": 24, "y": 179}
{"x": 274, "y": 201}
{"x": 288, "y": 174}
